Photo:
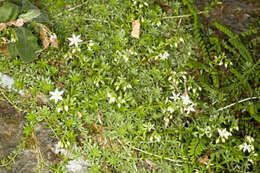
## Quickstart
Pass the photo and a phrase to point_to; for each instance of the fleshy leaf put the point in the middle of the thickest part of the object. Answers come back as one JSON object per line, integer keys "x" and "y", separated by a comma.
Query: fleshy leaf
{"x": 8, "y": 12}
{"x": 30, "y": 15}
{"x": 25, "y": 47}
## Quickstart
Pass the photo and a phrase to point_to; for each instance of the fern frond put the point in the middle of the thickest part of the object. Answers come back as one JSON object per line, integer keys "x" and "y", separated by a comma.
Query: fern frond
{"x": 236, "y": 42}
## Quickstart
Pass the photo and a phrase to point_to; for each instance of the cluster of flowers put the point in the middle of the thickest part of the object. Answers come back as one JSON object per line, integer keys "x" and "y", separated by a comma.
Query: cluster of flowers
{"x": 186, "y": 101}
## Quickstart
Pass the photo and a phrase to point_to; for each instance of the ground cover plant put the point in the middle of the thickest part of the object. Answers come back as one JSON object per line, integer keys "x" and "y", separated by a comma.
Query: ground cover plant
{"x": 164, "y": 97}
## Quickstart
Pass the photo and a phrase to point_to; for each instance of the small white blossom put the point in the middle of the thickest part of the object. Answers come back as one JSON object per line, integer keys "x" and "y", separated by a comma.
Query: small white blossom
{"x": 111, "y": 98}
{"x": 245, "y": 147}
{"x": 224, "y": 134}
{"x": 186, "y": 99}
{"x": 74, "y": 40}
{"x": 189, "y": 109}
{"x": 250, "y": 139}
{"x": 59, "y": 149}
{"x": 56, "y": 95}
{"x": 91, "y": 43}
{"x": 175, "y": 97}
{"x": 149, "y": 126}
{"x": 181, "y": 40}
{"x": 164, "y": 56}
{"x": 66, "y": 108}
{"x": 171, "y": 110}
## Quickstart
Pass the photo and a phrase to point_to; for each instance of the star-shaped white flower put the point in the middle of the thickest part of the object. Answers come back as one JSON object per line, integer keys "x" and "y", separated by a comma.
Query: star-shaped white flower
{"x": 186, "y": 99}
{"x": 189, "y": 109}
{"x": 175, "y": 96}
{"x": 224, "y": 133}
{"x": 56, "y": 95}
{"x": 75, "y": 40}
{"x": 164, "y": 56}
{"x": 245, "y": 147}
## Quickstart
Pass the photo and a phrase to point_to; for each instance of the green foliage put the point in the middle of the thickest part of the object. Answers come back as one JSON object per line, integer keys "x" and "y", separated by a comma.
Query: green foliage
{"x": 24, "y": 41}
{"x": 20, "y": 48}
{"x": 152, "y": 104}
{"x": 236, "y": 42}
{"x": 8, "y": 12}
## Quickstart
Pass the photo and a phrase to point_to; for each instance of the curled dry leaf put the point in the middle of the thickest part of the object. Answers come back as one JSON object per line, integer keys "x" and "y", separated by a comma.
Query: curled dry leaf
{"x": 135, "y": 29}
{"x": 48, "y": 38}
{"x": 203, "y": 160}
{"x": 19, "y": 22}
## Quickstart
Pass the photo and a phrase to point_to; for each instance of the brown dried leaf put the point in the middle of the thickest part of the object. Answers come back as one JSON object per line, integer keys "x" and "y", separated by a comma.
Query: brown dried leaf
{"x": 18, "y": 22}
{"x": 2, "y": 26}
{"x": 203, "y": 160}
{"x": 48, "y": 38}
{"x": 135, "y": 29}
{"x": 99, "y": 117}
{"x": 44, "y": 38}
{"x": 4, "y": 50}
{"x": 54, "y": 41}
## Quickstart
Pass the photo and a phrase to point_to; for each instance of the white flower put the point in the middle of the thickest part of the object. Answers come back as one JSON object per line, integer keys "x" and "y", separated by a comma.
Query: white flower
{"x": 77, "y": 165}
{"x": 181, "y": 40}
{"x": 245, "y": 147}
{"x": 91, "y": 43}
{"x": 66, "y": 108}
{"x": 249, "y": 139}
{"x": 186, "y": 99}
{"x": 56, "y": 95}
{"x": 164, "y": 56}
{"x": 189, "y": 109}
{"x": 6, "y": 81}
{"x": 111, "y": 98}
{"x": 59, "y": 149}
{"x": 175, "y": 96}
{"x": 171, "y": 110}
{"x": 224, "y": 134}
{"x": 74, "y": 40}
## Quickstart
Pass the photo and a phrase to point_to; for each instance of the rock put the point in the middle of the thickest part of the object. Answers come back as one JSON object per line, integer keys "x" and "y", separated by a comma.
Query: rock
{"x": 27, "y": 161}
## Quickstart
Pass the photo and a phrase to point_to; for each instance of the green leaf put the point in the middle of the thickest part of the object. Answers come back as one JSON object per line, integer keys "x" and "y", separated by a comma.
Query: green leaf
{"x": 8, "y": 12}
{"x": 12, "y": 50}
{"x": 252, "y": 109}
{"x": 25, "y": 47}
{"x": 33, "y": 13}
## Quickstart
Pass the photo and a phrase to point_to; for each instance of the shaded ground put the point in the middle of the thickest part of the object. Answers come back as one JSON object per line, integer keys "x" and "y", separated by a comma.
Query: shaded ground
{"x": 11, "y": 125}
{"x": 235, "y": 14}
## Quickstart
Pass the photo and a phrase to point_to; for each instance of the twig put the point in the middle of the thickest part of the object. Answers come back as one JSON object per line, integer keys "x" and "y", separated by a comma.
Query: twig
{"x": 185, "y": 15}
{"x": 73, "y": 8}
{"x": 155, "y": 155}
{"x": 228, "y": 106}
{"x": 7, "y": 99}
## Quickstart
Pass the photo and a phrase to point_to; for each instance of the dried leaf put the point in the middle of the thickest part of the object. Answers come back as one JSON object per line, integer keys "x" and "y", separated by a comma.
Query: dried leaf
{"x": 135, "y": 29}
{"x": 149, "y": 164}
{"x": 99, "y": 117}
{"x": 203, "y": 160}
{"x": 79, "y": 115}
{"x": 18, "y": 23}
{"x": 2, "y": 26}
{"x": 4, "y": 50}
{"x": 45, "y": 39}
{"x": 54, "y": 41}
{"x": 48, "y": 38}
